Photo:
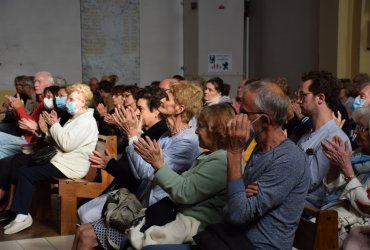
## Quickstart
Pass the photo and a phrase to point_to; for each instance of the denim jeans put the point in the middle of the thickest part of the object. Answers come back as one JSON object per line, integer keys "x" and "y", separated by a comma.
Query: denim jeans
{"x": 10, "y": 144}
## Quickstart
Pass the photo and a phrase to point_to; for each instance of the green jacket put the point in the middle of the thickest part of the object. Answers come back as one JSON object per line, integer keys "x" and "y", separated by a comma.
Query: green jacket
{"x": 199, "y": 192}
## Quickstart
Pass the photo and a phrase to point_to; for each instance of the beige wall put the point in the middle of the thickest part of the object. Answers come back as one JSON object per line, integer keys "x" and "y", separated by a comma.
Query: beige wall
{"x": 39, "y": 35}
{"x": 364, "y": 53}
{"x": 353, "y": 57}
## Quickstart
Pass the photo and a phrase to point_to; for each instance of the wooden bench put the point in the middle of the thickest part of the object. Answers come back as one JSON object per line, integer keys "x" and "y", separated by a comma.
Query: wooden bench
{"x": 71, "y": 191}
{"x": 319, "y": 235}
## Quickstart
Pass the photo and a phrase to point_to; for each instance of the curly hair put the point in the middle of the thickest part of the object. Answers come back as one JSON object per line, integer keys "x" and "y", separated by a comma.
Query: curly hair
{"x": 83, "y": 89}
{"x": 216, "y": 125}
{"x": 323, "y": 82}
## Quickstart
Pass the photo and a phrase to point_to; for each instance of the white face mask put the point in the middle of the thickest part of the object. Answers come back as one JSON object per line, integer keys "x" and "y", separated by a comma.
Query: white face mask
{"x": 48, "y": 103}
{"x": 254, "y": 134}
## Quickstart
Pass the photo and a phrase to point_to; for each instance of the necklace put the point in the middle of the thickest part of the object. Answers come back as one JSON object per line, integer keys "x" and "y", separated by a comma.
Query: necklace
{"x": 179, "y": 131}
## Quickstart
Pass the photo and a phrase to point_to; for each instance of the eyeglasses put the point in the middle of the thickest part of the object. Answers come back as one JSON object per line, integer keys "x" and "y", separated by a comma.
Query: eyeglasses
{"x": 361, "y": 129}
{"x": 301, "y": 94}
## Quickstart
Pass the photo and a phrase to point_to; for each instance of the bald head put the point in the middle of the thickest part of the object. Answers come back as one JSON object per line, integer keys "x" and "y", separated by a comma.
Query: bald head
{"x": 166, "y": 83}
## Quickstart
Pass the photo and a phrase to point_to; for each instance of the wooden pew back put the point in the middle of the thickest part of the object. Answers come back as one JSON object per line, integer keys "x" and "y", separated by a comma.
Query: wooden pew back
{"x": 319, "y": 235}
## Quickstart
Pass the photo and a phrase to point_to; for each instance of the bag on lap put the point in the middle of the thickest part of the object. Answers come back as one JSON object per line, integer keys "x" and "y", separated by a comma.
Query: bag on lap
{"x": 160, "y": 213}
{"x": 43, "y": 155}
{"x": 122, "y": 207}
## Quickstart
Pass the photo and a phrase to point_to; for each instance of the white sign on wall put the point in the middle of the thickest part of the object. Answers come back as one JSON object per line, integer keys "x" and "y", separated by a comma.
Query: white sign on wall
{"x": 218, "y": 62}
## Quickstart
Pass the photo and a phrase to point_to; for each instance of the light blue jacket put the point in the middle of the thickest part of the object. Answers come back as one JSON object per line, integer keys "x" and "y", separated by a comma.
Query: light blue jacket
{"x": 179, "y": 153}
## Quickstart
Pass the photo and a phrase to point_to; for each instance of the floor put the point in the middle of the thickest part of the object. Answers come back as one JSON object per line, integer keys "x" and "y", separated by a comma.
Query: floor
{"x": 52, "y": 243}
{"x": 43, "y": 234}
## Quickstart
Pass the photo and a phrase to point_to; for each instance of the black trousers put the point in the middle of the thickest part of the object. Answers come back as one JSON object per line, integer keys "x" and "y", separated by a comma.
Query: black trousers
{"x": 27, "y": 177}
{"x": 9, "y": 167}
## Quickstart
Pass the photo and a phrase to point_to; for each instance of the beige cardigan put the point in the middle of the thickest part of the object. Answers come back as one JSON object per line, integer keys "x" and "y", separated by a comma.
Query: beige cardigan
{"x": 74, "y": 142}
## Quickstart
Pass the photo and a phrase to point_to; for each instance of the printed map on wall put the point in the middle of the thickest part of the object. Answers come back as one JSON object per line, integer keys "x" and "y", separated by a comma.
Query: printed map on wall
{"x": 110, "y": 39}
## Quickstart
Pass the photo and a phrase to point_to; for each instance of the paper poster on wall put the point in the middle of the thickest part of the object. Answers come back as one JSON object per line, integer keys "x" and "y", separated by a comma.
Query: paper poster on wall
{"x": 219, "y": 62}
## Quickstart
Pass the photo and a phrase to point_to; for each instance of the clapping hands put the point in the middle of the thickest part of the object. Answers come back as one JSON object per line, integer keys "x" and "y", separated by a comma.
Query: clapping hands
{"x": 128, "y": 121}
{"x": 14, "y": 102}
{"x": 28, "y": 124}
{"x": 150, "y": 151}
{"x": 50, "y": 118}
{"x": 339, "y": 154}
{"x": 99, "y": 160}
{"x": 102, "y": 110}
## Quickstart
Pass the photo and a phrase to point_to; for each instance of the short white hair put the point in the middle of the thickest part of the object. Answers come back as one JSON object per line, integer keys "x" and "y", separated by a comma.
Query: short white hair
{"x": 48, "y": 75}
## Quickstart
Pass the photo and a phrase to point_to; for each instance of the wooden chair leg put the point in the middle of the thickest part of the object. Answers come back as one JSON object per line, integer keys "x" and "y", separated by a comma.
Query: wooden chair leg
{"x": 68, "y": 214}
{"x": 41, "y": 201}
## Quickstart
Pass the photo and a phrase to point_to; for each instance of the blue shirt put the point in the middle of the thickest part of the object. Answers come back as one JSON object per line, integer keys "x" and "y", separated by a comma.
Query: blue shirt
{"x": 271, "y": 217}
{"x": 318, "y": 162}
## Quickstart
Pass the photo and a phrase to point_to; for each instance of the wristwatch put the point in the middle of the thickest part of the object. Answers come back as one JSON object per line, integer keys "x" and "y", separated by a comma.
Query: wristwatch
{"x": 348, "y": 178}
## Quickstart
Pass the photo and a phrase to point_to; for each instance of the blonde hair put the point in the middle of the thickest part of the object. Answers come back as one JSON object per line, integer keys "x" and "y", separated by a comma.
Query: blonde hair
{"x": 190, "y": 96}
{"x": 83, "y": 89}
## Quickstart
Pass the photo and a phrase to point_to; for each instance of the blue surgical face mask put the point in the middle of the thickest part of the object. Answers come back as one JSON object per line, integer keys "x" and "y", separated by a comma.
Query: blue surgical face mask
{"x": 60, "y": 102}
{"x": 71, "y": 108}
{"x": 359, "y": 103}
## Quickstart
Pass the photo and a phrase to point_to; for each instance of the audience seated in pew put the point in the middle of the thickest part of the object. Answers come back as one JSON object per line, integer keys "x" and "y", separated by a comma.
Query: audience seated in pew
{"x": 74, "y": 142}
{"x": 348, "y": 179}
{"x": 9, "y": 165}
{"x": 10, "y": 144}
{"x": 316, "y": 98}
{"x": 154, "y": 126}
{"x": 199, "y": 192}
{"x": 180, "y": 147}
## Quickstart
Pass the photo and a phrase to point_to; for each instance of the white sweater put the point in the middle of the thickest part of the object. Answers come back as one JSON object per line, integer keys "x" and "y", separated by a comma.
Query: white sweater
{"x": 74, "y": 142}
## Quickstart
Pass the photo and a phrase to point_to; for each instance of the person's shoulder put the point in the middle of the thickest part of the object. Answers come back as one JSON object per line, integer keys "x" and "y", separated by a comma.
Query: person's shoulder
{"x": 87, "y": 116}
{"x": 218, "y": 154}
{"x": 292, "y": 157}
{"x": 334, "y": 129}
{"x": 288, "y": 144}
{"x": 289, "y": 151}
{"x": 188, "y": 134}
